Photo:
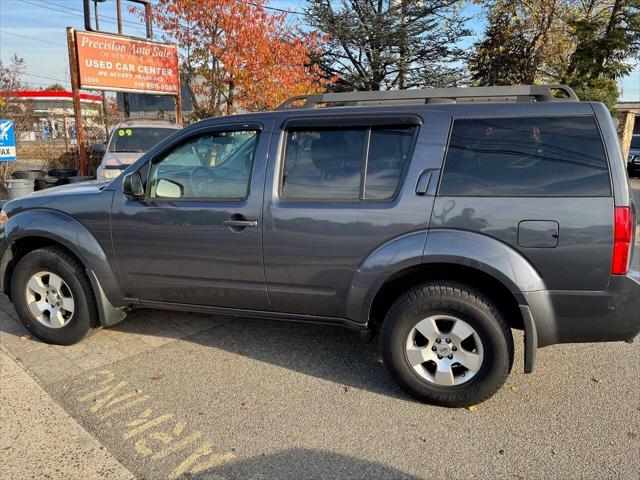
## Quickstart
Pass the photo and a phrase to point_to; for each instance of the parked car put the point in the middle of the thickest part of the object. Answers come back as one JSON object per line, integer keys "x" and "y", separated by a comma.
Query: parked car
{"x": 127, "y": 142}
{"x": 633, "y": 160}
{"x": 439, "y": 219}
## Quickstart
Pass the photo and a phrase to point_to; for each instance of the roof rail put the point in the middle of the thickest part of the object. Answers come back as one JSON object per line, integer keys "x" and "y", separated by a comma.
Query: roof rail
{"x": 516, "y": 93}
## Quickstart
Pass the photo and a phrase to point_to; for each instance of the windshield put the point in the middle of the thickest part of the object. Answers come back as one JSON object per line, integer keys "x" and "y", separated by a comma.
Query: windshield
{"x": 138, "y": 140}
{"x": 635, "y": 142}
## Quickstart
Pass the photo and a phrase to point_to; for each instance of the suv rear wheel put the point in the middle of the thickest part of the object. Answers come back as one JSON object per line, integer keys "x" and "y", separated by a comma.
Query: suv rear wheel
{"x": 53, "y": 296}
{"x": 446, "y": 343}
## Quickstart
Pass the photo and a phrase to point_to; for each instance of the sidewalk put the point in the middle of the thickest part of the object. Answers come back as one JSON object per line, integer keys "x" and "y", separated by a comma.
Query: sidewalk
{"x": 38, "y": 439}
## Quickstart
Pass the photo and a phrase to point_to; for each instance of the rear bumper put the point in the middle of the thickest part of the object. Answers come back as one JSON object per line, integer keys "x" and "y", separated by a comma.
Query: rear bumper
{"x": 585, "y": 316}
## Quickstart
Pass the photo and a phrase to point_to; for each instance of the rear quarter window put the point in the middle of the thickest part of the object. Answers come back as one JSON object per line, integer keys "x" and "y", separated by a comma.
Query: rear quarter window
{"x": 526, "y": 156}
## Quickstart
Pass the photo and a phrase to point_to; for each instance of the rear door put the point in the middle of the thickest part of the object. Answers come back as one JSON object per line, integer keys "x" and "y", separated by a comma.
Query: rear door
{"x": 538, "y": 181}
{"x": 338, "y": 188}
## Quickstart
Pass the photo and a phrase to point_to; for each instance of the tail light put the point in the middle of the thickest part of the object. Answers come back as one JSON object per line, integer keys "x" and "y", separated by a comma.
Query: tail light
{"x": 621, "y": 241}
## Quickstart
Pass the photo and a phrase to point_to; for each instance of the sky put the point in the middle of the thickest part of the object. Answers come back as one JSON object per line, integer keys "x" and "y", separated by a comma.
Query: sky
{"x": 35, "y": 31}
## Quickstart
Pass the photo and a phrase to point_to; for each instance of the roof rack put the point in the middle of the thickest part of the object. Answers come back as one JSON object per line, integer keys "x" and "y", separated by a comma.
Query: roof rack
{"x": 517, "y": 93}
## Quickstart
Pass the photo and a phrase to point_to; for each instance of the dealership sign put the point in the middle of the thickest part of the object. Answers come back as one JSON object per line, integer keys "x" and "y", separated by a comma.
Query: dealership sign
{"x": 110, "y": 62}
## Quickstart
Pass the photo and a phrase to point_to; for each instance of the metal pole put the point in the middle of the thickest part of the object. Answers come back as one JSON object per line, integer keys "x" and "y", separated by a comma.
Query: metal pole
{"x": 178, "y": 98}
{"x": 75, "y": 90}
{"x": 119, "y": 14}
{"x": 95, "y": 9}
{"x": 125, "y": 96}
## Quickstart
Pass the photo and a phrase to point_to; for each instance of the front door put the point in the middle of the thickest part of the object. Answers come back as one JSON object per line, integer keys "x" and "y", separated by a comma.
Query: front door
{"x": 196, "y": 236}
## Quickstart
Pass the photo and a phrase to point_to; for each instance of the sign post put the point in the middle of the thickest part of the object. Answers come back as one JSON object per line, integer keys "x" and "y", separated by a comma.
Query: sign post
{"x": 75, "y": 90}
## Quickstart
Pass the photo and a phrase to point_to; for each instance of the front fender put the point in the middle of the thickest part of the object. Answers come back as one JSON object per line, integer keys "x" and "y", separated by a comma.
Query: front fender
{"x": 70, "y": 233}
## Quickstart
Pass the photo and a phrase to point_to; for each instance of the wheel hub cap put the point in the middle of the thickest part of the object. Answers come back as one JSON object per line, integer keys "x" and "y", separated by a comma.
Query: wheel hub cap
{"x": 49, "y": 299}
{"x": 444, "y": 350}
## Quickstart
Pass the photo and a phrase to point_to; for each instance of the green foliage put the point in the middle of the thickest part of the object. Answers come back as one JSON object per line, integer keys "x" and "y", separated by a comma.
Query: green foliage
{"x": 587, "y": 44}
{"x": 499, "y": 59}
{"x": 377, "y": 45}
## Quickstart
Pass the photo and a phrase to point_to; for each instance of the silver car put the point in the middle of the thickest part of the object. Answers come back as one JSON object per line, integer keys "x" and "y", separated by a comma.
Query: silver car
{"x": 127, "y": 142}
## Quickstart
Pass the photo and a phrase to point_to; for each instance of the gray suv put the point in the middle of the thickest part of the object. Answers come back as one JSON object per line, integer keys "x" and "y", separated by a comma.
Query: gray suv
{"x": 439, "y": 219}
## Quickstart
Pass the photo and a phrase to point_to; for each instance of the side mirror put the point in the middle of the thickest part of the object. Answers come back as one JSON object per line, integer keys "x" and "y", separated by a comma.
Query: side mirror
{"x": 132, "y": 185}
{"x": 169, "y": 189}
{"x": 98, "y": 149}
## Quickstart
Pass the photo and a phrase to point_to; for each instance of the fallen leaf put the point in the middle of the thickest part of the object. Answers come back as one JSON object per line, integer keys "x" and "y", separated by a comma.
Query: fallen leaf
{"x": 472, "y": 408}
{"x": 25, "y": 337}
{"x": 246, "y": 405}
{"x": 187, "y": 474}
{"x": 514, "y": 389}
{"x": 155, "y": 378}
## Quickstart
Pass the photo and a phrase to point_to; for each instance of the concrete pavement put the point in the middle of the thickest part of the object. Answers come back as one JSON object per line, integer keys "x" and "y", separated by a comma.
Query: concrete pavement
{"x": 38, "y": 439}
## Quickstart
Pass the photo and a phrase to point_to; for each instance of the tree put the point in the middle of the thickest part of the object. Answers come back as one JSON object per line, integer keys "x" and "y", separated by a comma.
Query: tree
{"x": 377, "y": 45}
{"x": 499, "y": 59}
{"x": 54, "y": 87}
{"x": 515, "y": 41}
{"x": 587, "y": 44}
{"x": 607, "y": 35}
{"x": 236, "y": 55}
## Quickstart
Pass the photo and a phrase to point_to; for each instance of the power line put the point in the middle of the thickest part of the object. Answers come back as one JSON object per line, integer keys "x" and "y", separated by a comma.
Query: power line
{"x": 101, "y": 16}
{"x": 33, "y": 38}
{"x": 68, "y": 12}
{"x": 46, "y": 78}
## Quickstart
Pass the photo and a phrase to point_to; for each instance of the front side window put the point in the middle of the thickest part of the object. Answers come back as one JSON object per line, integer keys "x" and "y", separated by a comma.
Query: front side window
{"x": 348, "y": 164}
{"x": 214, "y": 165}
{"x": 527, "y": 156}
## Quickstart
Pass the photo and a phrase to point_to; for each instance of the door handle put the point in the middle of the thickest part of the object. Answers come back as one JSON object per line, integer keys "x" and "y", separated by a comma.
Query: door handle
{"x": 241, "y": 223}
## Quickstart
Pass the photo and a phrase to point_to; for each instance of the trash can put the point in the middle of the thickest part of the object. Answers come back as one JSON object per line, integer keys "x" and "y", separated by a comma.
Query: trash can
{"x": 48, "y": 182}
{"x": 18, "y": 188}
{"x": 28, "y": 174}
{"x": 79, "y": 178}
{"x": 62, "y": 172}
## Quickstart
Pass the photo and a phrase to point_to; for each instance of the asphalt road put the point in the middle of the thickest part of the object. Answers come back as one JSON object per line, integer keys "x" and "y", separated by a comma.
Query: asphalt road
{"x": 193, "y": 396}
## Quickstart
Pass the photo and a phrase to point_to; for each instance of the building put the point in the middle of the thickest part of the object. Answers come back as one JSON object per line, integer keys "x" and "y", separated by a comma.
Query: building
{"x": 49, "y": 115}
{"x": 154, "y": 107}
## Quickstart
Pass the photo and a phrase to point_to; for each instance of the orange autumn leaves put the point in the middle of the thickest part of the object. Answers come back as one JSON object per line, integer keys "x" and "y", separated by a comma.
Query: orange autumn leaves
{"x": 237, "y": 56}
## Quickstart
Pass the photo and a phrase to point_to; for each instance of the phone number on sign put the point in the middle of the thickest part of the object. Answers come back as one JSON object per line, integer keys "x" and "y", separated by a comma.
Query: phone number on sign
{"x": 158, "y": 87}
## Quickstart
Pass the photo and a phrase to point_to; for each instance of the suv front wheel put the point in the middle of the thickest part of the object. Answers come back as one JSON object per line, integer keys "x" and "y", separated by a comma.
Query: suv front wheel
{"x": 446, "y": 343}
{"x": 53, "y": 296}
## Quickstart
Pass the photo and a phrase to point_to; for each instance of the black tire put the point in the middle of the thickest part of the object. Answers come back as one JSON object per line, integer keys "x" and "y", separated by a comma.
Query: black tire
{"x": 460, "y": 301}
{"x": 84, "y": 319}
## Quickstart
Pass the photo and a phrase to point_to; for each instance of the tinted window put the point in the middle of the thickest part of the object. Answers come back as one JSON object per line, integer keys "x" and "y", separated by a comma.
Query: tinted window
{"x": 525, "y": 156}
{"x": 388, "y": 153}
{"x": 138, "y": 139}
{"x": 329, "y": 163}
{"x": 214, "y": 165}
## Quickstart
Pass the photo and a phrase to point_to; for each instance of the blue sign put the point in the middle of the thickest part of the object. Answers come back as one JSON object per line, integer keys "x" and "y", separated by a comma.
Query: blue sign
{"x": 7, "y": 141}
